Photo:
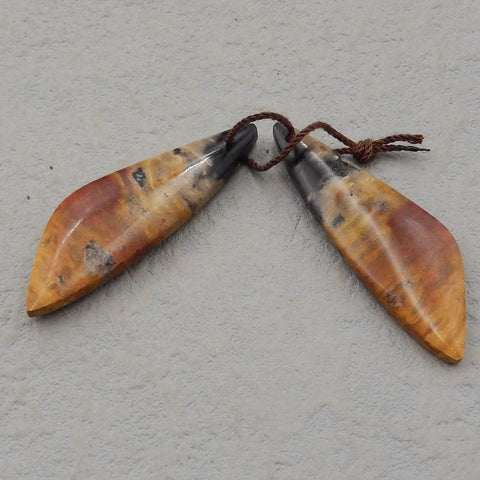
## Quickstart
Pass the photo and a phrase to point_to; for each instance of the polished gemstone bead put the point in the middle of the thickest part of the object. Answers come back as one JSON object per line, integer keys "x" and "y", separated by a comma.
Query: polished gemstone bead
{"x": 405, "y": 257}
{"x": 107, "y": 225}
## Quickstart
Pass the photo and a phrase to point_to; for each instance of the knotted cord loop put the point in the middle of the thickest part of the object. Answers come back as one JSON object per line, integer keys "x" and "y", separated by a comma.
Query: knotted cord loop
{"x": 363, "y": 151}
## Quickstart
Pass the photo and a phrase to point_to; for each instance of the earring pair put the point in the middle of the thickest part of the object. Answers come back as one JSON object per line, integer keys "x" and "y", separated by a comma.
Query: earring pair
{"x": 405, "y": 257}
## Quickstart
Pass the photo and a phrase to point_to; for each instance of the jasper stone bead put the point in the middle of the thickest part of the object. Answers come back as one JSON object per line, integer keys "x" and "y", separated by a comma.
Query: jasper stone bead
{"x": 105, "y": 226}
{"x": 405, "y": 257}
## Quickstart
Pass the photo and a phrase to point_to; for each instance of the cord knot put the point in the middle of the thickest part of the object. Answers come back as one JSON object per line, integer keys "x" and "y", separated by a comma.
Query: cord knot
{"x": 364, "y": 150}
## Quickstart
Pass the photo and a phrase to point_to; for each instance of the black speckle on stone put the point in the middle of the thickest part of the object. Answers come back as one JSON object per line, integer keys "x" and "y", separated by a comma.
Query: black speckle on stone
{"x": 28, "y": 197}
{"x": 382, "y": 206}
{"x": 182, "y": 153}
{"x": 139, "y": 176}
{"x": 394, "y": 300}
{"x": 339, "y": 167}
{"x": 338, "y": 220}
{"x": 267, "y": 150}
{"x": 51, "y": 168}
{"x": 97, "y": 259}
{"x": 61, "y": 279}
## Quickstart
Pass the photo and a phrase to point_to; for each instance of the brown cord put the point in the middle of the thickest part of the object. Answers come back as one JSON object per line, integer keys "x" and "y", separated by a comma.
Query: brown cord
{"x": 363, "y": 151}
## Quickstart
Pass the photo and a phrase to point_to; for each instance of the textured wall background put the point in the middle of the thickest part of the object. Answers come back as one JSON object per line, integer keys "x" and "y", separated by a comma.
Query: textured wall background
{"x": 243, "y": 347}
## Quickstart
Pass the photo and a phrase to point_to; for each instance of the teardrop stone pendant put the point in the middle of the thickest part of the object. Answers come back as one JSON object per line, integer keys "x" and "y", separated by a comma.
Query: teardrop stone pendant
{"x": 406, "y": 258}
{"x": 107, "y": 225}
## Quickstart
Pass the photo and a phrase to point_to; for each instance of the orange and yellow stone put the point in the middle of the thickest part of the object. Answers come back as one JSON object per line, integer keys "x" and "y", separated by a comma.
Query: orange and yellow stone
{"x": 405, "y": 257}
{"x": 107, "y": 225}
